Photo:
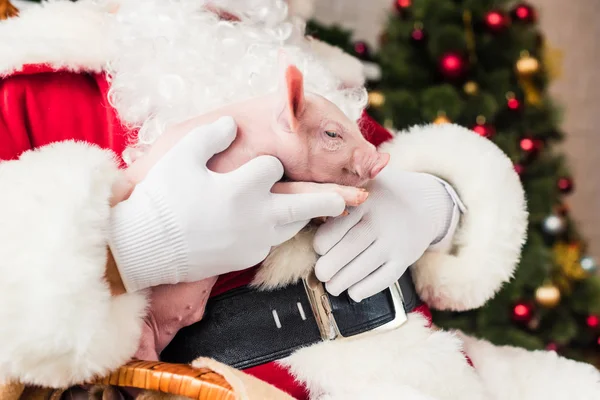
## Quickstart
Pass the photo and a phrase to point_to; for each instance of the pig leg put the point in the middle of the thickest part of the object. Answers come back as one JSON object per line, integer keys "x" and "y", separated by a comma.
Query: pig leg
{"x": 147, "y": 348}
{"x": 353, "y": 196}
{"x": 172, "y": 307}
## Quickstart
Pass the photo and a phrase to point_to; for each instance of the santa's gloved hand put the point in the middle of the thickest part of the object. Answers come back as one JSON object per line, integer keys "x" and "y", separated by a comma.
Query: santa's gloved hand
{"x": 184, "y": 223}
{"x": 368, "y": 250}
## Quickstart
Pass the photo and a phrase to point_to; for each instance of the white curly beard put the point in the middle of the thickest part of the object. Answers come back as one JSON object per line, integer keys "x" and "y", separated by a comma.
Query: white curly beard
{"x": 177, "y": 61}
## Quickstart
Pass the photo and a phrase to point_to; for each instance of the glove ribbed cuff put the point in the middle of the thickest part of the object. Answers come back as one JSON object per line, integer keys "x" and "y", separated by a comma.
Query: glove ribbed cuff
{"x": 439, "y": 206}
{"x": 452, "y": 215}
{"x": 439, "y": 203}
{"x": 146, "y": 243}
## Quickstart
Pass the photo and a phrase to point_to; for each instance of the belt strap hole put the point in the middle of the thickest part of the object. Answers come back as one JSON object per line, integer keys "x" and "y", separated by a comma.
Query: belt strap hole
{"x": 301, "y": 310}
{"x": 276, "y": 318}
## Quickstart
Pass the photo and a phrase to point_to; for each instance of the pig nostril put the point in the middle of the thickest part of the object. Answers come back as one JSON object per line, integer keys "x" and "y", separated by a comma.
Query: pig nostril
{"x": 376, "y": 170}
{"x": 351, "y": 172}
{"x": 380, "y": 164}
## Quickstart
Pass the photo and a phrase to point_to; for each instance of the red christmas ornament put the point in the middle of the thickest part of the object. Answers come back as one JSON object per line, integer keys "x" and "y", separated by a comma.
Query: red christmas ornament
{"x": 531, "y": 146}
{"x": 452, "y": 65}
{"x": 496, "y": 21}
{"x": 593, "y": 321}
{"x": 401, "y": 5}
{"x": 417, "y": 36}
{"x": 523, "y": 12}
{"x": 522, "y": 312}
{"x": 552, "y": 347}
{"x": 527, "y": 145}
{"x": 565, "y": 185}
{"x": 485, "y": 130}
{"x": 403, "y": 8}
{"x": 361, "y": 49}
{"x": 513, "y": 104}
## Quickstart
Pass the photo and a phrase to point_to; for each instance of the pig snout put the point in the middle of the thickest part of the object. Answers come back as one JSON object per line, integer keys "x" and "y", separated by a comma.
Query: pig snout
{"x": 379, "y": 164}
{"x": 367, "y": 164}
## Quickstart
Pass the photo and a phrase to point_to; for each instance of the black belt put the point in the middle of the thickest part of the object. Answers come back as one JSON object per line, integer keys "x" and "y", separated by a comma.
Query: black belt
{"x": 246, "y": 327}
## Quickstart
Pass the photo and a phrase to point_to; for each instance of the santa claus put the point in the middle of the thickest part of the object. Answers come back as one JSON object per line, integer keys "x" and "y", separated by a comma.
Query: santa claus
{"x": 121, "y": 74}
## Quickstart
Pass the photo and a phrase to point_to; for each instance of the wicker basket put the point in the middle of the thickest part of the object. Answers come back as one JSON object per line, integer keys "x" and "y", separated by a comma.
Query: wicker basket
{"x": 205, "y": 379}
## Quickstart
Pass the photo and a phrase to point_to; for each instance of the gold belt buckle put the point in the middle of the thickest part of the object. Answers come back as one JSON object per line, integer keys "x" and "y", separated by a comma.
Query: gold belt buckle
{"x": 321, "y": 308}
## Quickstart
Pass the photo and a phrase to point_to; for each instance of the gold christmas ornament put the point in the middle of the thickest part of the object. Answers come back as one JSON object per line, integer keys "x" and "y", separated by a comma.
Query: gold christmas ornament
{"x": 568, "y": 256}
{"x": 527, "y": 65}
{"x": 471, "y": 88}
{"x": 532, "y": 94}
{"x": 376, "y": 99}
{"x": 547, "y": 295}
{"x": 441, "y": 119}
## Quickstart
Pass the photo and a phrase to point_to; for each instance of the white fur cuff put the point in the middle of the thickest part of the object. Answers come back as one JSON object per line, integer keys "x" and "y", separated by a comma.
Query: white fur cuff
{"x": 60, "y": 324}
{"x": 487, "y": 244}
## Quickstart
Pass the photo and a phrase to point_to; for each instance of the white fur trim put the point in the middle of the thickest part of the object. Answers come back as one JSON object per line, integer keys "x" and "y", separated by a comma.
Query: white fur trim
{"x": 517, "y": 374}
{"x": 372, "y": 71}
{"x": 489, "y": 239}
{"x": 412, "y": 359}
{"x": 60, "y": 324}
{"x": 76, "y": 36}
{"x": 288, "y": 262}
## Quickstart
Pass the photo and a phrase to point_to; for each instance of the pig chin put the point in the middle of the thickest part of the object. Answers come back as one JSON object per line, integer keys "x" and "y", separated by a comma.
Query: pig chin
{"x": 352, "y": 180}
{"x": 344, "y": 178}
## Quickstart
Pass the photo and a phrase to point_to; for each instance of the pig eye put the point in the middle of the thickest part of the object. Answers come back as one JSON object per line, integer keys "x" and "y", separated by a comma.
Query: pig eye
{"x": 331, "y": 134}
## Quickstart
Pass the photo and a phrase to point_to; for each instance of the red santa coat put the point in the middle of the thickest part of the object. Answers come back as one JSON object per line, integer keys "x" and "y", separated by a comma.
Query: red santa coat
{"x": 42, "y": 105}
{"x": 55, "y": 209}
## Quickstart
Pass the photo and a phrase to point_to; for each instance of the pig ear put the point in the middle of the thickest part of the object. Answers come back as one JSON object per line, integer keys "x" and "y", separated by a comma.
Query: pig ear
{"x": 291, "y": 93}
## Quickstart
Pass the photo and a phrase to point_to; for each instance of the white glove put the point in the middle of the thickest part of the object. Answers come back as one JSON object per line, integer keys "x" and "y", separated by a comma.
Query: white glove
{"x": 184, "y": 223}
{"x": 368, "y": 250}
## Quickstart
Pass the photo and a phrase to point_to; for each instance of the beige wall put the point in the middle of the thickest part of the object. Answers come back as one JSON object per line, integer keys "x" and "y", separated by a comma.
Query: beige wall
{"x": 574, "y": 28}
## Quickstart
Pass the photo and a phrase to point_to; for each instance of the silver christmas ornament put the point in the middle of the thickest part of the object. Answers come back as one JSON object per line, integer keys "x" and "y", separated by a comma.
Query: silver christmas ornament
{"x": 588, "y": 264}
{"x": 554, "y": 225}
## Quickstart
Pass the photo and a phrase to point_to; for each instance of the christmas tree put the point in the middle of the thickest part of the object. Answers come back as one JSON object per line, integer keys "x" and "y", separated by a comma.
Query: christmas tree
{"x": 484, "y": 64}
